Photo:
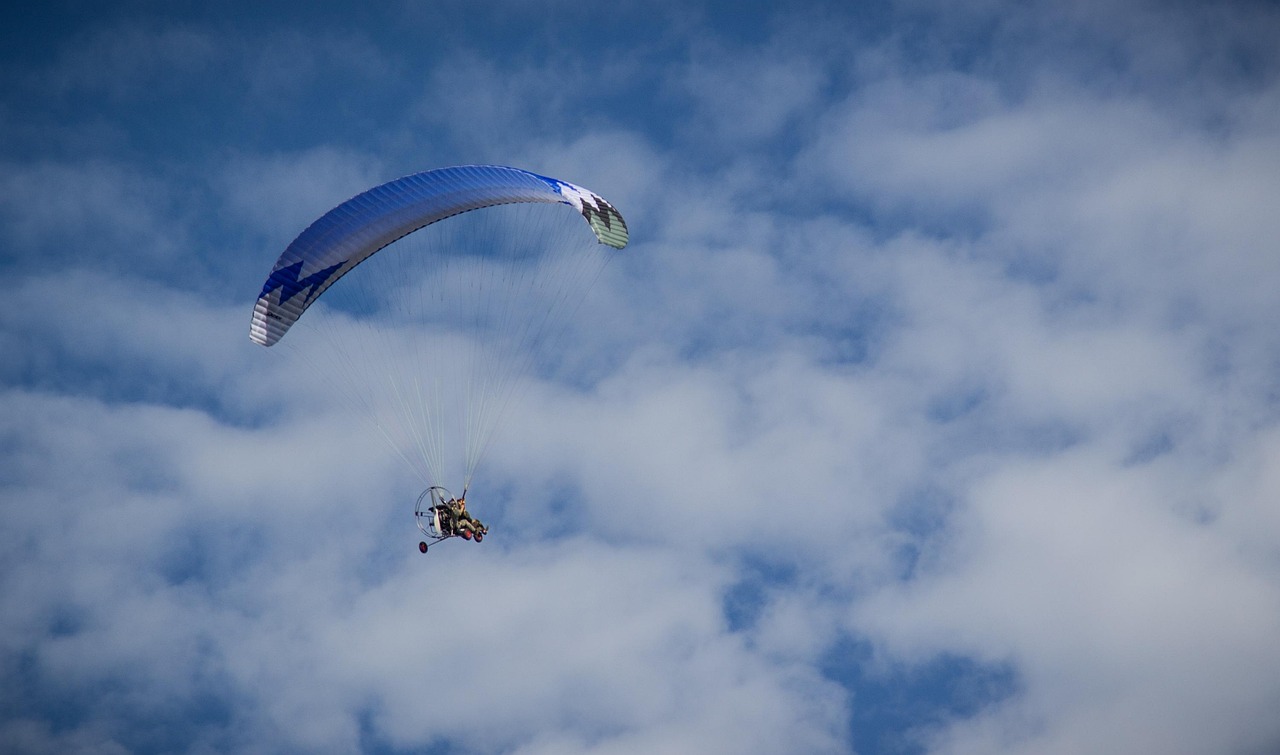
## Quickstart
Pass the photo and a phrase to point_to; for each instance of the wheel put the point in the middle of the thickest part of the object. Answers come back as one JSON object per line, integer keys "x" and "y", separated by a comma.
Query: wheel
{"x": 422, "y": 547}
{"x": 479, "y": 536}
{"x": 466, "y": 534}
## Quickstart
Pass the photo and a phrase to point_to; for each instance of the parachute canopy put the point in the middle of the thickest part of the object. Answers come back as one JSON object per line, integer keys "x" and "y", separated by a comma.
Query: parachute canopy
{"x": 349, "y": 233}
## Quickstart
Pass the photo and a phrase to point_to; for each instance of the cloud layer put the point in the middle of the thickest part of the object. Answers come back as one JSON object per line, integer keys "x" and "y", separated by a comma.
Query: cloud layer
{"x": 932, "y": 408}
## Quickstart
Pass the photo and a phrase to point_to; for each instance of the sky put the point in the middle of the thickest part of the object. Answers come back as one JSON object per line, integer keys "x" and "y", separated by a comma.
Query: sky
{"x": 933, "y": 408}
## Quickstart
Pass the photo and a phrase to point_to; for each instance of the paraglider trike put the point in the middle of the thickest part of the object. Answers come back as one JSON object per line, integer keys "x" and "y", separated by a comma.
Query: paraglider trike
{"x": 441, "y": 516}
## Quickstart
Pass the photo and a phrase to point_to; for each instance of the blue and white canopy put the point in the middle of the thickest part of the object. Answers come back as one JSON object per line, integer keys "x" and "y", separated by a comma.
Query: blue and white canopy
{"x": 349, "y": 233}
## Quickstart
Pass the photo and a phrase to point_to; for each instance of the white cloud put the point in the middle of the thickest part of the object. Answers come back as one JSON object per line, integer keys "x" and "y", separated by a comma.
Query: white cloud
{"x": 742, "y": 100}
{"x": 1124, "y": 616}
{"x": 100, "y": 213}
{"x": 279, "y": 195}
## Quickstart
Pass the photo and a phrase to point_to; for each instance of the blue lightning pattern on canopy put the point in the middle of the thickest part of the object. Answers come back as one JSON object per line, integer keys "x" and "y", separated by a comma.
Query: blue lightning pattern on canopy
{"x": 290, "y": 284}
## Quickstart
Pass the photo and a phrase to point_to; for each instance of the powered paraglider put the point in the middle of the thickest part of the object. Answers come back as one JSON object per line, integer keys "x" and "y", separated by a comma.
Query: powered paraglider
{"x": 432, "y": 337}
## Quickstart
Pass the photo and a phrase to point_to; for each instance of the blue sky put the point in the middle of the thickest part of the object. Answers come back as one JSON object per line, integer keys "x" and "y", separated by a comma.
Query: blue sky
{"x": 932, "y": 408}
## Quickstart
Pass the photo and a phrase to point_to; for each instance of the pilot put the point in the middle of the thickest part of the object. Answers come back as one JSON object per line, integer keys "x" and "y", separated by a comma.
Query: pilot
{"x": 460, "y": 521}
